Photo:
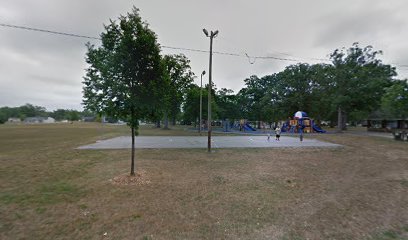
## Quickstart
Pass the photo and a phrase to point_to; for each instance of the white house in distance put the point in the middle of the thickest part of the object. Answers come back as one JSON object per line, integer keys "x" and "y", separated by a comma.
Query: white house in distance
{"x": 49, "y": 120}
{"x": 39, "y": 120}
{"x": 14, "y": 120}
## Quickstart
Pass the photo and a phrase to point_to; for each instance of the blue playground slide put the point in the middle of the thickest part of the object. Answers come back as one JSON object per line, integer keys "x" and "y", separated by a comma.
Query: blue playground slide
{"x": 247, "y": 127}
{"x": 318, "y": 129}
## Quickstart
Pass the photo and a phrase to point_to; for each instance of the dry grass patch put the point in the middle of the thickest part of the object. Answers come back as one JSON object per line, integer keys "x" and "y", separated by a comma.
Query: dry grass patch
{"x": 50, "y": 190}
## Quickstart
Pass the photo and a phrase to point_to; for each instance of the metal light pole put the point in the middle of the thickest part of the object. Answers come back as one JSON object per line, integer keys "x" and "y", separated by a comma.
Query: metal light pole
{"x": 201, "y": 101}
{"x": 211, "y": 36}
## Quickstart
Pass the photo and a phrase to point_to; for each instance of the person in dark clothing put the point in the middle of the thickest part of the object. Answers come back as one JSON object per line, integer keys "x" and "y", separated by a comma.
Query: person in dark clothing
{"x": 301, "y": 127}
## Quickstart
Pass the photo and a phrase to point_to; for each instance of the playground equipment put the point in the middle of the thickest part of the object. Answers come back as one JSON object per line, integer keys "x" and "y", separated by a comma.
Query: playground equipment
{"x": 242, "y": 125}
{"x": 301, "y": 122}
{"x": 300, "y": 115}
{"x": 225, "y": 126}
{"x": 248, "y": 127}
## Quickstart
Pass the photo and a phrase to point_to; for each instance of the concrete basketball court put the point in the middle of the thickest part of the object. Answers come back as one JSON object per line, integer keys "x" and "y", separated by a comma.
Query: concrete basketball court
{"x": 201, "y": 142}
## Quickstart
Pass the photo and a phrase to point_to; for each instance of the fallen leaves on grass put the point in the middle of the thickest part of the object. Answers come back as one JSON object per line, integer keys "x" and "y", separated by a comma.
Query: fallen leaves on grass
{"x": 139, "y": 179}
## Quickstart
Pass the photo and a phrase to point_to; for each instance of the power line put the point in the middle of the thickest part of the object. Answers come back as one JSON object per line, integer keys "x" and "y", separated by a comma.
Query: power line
{"x": 251, "y": 59}
{"x": 96, "y": 38}
{"x": 168, "y": 47}
{"x": 163, "y": 46}
{"x": 277, "y": 58}
{"x": 47, "y": 31}
{"x": 203, "y": 51}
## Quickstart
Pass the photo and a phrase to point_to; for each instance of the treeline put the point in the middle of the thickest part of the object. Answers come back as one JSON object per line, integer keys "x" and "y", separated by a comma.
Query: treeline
{"x": 354, "y": 85}
{"x": 129, "y": 79}
{"x": 29, "y": 110}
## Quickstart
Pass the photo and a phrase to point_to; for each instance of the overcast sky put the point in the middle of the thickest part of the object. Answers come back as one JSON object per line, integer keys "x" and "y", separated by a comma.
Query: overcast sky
{"x": 47, "y": 70}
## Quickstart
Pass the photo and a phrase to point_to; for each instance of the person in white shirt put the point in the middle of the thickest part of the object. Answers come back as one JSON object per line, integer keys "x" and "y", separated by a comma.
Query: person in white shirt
{"x": 277, "y": 133}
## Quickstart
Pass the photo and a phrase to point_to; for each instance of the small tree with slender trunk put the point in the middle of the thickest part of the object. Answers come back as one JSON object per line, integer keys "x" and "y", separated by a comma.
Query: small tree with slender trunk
{"x": 124, "y": 78}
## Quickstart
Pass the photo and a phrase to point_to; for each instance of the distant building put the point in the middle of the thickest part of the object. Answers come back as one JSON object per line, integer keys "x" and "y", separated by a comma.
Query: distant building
{"x": 49, "y": 120}
{"x": 39, "y": 120}
{"x": 381, "y": 122}
{"x": 33, "y": 120}
{"x": 14, "y": 120}
{"x": 89, "y": 119}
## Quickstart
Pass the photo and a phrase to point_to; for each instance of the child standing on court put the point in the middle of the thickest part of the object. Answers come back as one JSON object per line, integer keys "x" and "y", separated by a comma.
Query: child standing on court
{"x": 277, "y": 133}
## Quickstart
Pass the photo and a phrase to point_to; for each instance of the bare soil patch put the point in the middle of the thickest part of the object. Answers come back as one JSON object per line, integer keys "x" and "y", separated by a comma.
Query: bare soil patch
{"x": 125, "y": 179}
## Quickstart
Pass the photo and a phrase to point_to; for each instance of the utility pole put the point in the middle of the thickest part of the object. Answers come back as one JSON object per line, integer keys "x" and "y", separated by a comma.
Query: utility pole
{"x": 211, "y": 36}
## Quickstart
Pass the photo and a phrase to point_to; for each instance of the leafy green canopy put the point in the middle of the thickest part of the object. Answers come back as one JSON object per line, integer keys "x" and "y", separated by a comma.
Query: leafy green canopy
{"x": 180, "y": 77}
{"x": 359, "y": 79}
{"x": 395, "y": 99}
{"x": 227, "y": 104}
{"x": 124, "y": 79}
{"x": 355, "y": 83}
{"x": 191, "y": 106}
{"x": 27, "y": 110}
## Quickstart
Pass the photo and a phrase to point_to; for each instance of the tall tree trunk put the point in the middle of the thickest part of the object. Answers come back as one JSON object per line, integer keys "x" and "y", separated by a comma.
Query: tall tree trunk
{"x": 132, "y": 167}
{"x": 166, "y": 121}
{"x": 339, "y": 120}
{"x": 158, "y": 124}
{"x": 344, "y": 122}
{"x": 173, "y": 122}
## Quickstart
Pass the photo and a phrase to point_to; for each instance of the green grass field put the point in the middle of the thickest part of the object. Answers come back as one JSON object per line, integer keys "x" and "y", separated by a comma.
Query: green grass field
{"x": 50, "y": 190}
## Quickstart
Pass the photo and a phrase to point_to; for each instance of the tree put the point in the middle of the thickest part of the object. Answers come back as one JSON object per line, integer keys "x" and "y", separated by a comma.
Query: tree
{"x": 6, "y": 113}
{"x": 273, "y": 103}
{"x": 73, "y": 115}
{"x": 29, "y": 110}
{"x": 227, "y": 104}
{"x": 191, "y": 106}
{"x": 250, "y": 98}
{"x": 64, "y": 114}
{"x": 320, "y": 103}
{"x": 296, "y": 86}
{"x": 180, "y": 76}
{"x": 3, "y": 117}
{"x": 395, "y": 100}
{"x": 124, "y": 77}
{"x": 59, "y": 114}
{"x": 359, "y": 81}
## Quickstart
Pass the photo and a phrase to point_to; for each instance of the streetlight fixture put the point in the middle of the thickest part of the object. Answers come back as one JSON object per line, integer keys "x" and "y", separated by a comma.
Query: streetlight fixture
{"x": 211, "y": 35}
{"x": 201, "y": 102}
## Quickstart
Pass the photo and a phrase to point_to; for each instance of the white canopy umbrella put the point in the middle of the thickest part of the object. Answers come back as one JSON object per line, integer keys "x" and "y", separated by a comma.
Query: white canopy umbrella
{"x": 300, "y": 115}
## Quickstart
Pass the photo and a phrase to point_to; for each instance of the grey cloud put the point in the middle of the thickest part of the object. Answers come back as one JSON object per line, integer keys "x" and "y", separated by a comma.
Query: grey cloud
{"x": 368, "y": 22}
{"x": 49, "y": 81}
{"x": 47, "y": 70}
